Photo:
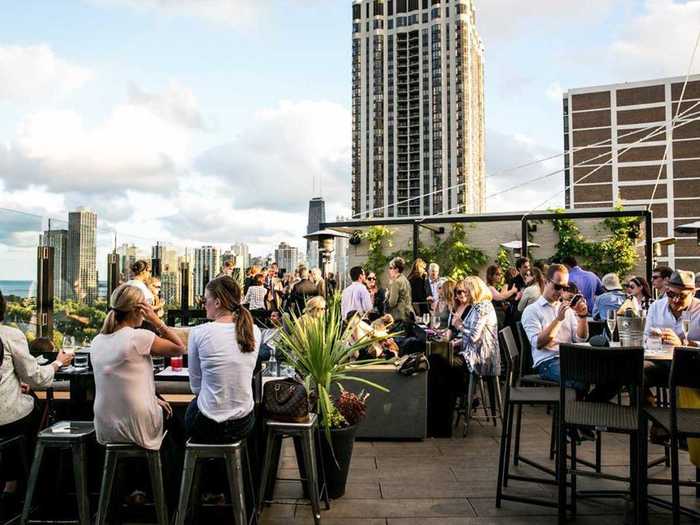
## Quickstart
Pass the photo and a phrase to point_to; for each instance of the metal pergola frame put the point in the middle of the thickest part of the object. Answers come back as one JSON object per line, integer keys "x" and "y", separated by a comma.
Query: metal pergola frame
{"x": 524, "y": 218}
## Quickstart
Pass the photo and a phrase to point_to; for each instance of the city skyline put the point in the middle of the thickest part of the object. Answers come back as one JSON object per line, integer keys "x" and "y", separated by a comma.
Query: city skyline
{"x": 162, "y": 135}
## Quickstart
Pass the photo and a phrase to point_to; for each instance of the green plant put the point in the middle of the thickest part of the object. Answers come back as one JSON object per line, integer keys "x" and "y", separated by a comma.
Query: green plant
{"x": 322, "y": 350}
{"x": 378, "y": 238}
{"x": 616, "y": 253}
{"x": 353, "y": 407}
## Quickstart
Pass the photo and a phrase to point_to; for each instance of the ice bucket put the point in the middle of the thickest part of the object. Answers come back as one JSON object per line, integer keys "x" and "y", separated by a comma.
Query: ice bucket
{"x": 631, "y": 330}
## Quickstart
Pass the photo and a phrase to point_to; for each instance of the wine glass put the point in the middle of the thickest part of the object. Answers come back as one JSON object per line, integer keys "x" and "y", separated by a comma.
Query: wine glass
{"x": 685, "y": 326}
{"x": 69, "y": 344}
{"x": 435, "y": 321}
{"x": 611, "y": 320}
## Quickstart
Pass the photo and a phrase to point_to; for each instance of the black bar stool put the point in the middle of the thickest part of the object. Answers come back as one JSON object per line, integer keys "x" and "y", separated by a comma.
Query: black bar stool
{"x": 234, "y": 454}
{"x": 18, "y": 443}
{"x": 305, "y": 435}
{"x": 117, "y": 451}
{"x": 72, "y": 435}
{"x": 464, "y": 405}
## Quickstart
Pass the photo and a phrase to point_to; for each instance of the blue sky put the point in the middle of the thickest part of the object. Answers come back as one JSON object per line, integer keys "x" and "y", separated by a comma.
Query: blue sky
{"x": 190, "y": 121}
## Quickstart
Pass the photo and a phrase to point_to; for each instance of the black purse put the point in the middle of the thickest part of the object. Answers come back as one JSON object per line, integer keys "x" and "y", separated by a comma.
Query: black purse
{"x": 286, "y": 400}
{"x": 413, "y": 364}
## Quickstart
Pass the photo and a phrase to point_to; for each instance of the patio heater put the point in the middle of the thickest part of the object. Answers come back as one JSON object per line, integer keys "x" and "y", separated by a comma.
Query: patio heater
{"x": 112, "y": 273}
{"x": 44, "y": 291}
{"x": 326, "y": 247}
{"x": 692, "y": 227}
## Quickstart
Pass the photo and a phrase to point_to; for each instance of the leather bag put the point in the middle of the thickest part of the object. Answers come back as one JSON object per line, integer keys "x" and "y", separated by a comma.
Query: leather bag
{"x": 286, "y": 400}
{"x": 412, "y": 364}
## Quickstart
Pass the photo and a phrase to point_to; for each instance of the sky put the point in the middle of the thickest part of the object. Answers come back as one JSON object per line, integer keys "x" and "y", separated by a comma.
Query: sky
{"x": 215, "y": 121}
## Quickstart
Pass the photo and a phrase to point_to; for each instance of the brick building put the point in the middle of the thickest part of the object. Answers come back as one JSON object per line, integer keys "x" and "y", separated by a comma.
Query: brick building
{"x": 621, "y": 115}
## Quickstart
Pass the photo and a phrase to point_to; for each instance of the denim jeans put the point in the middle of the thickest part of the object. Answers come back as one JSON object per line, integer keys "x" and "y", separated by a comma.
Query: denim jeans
{"x": 551, "y": 371}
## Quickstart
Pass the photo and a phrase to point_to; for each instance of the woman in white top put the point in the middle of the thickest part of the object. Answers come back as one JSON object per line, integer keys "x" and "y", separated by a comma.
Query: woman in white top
{"x": 126, "y": 407}
{"x": 255, "y": 296}
{"x": 534, "y": 290}
{"x": 222, "y": 357}
{"x": 140, "y": 274}
{"x": 18, "y": 412}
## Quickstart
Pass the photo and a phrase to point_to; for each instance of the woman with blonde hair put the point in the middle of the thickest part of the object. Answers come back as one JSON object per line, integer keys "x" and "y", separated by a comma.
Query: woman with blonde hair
{"x": 126, "y": 407}
{"x": 315, "y": 307}
{"x": 140, "y": 277}
{"x": 480, "y": 348}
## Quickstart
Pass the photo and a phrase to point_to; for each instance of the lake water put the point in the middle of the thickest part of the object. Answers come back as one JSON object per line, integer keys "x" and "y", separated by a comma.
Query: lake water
{"x": 28, "y": 288}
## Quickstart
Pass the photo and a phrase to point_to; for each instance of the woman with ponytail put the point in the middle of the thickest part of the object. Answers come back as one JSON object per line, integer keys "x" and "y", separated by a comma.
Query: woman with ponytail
{"x": 126, "y": 407}
{"x": 222, "y": 357}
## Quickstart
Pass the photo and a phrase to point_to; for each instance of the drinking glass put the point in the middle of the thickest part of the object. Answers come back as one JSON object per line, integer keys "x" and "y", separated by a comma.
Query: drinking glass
{"x": 426, "y": 319}
{"x": 272, "y": 363}
{"x": 685, "y": 326}
{"x": 176, "y": 363}
{"x": 435, "y": 321}
{"x": 69, "y": 344}
{"x": 612, "y": 321}
{"x": 158, "y": 363}
{"x": 81, "y": 361}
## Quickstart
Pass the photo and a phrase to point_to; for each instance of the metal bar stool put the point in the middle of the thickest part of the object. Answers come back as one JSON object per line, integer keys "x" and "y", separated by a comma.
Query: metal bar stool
{"x": 464, "y": 405}
{"x": 19, "y": 443}
{"x": 233, "y": 454}
{"x": 305, "y": 435}
{"x": 71, "y": 435}
{"x": 117, "y": 451}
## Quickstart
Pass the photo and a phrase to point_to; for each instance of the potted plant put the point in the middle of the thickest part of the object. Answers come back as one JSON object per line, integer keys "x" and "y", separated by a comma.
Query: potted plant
{"x": 322, "y": 351}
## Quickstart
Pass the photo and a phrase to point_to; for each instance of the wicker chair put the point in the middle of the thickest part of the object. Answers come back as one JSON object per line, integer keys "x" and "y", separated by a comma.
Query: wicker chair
{"x": 610, "y": 367}
{"x": 680, "y": 423}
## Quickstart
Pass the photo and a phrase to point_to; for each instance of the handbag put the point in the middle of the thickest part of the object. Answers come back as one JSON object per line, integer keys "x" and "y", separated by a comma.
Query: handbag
{"x": 286, "y": 400}
{"x": 413, "y": 364}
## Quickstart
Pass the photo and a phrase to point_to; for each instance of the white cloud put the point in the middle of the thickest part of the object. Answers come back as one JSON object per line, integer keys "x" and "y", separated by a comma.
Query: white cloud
{"x": 659, "y": 42}
{"x": 33, "y": 73}
{"x": 176, "y": 104}
{"x": 497, "y": 19}
{"x": 555, "y": 92}
{"x": 275, "y": 161}
{"x": 505, "y": 151}
{"x": 142, "y": 144}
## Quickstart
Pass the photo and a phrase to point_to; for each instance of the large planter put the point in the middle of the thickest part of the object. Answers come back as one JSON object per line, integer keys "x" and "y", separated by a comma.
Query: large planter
{"x": 337, "y": 469}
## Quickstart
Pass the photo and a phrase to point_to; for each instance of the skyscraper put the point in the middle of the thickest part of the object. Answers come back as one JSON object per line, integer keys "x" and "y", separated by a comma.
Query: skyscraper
{"x": 287, "y": 257}
{"x": 622, "y": 146}
{"x": 81, "y": 270}
{"x": 207, "y": 263}
{"x": 317, "y": 215}
{"x": 417, "y": 108}
{"x": 58, "y": 240}
{"x": 242, "y": 253}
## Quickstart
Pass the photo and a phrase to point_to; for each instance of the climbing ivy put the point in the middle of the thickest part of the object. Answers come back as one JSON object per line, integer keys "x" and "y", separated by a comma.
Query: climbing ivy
{"x": 615, "y": 254}
{"x": 378, "y": 238}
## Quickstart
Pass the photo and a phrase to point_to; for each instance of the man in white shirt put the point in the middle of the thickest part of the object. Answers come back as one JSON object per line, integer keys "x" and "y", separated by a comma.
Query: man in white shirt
{"x": 665, "y": 317}
{"x": 432, "y": 283}
{"x": 356, "y": 297}
{"x": 550, "y": 321}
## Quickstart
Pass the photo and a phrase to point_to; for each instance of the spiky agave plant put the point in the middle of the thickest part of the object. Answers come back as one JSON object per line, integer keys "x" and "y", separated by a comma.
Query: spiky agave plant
{"x": 322, "y": 352}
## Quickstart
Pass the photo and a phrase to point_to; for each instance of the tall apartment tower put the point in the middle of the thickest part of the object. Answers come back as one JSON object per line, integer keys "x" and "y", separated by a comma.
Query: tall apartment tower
{"x": 317, "y": 215}
{"x": 207, "y": 263}
{"x": 242, "y": 253}
{"x": 614, "y": 118}
{"x": 58, "y": 240}
{"x": 81, "y": 269}
{"x": 287, "y": 256}
{"x": 417, "y": 108}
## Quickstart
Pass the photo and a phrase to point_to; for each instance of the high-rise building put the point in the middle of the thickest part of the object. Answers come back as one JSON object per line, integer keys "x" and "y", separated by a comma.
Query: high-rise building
{"x": 614, "y": 118}
{"x": 417, "y": 108}
{"x": 317, "y": 215}
{"x": 128, "y": 255}
{"x": 81, "y": 268}
{"x": 242, "y": 253}
{"x": 287, "y": 257}
{"x": 207, "y": 263}
{"x": 58, "y": 240}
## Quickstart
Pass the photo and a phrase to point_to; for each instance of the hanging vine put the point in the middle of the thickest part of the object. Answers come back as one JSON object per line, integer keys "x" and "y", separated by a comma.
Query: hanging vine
{"x": 378, "y": 238}
{"x": 615, "y": 254}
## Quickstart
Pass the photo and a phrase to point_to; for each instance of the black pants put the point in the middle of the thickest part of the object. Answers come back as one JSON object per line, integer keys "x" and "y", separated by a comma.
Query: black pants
{"x": 11, "y": 468}
{"x": 204, "y": 430}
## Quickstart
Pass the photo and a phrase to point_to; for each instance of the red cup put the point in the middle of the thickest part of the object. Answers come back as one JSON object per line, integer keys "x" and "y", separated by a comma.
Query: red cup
{"x": 176, "y": 363}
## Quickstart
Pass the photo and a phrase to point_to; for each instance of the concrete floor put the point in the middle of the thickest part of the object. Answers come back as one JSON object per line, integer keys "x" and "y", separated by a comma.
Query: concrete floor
{"x": 453, "y": 482}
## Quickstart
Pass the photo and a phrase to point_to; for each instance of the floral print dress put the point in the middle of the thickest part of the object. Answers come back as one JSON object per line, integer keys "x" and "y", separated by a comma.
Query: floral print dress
{"x": 480, "y": 347}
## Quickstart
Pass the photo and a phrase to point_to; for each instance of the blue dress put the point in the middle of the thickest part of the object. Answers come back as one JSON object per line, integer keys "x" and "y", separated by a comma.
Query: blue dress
{"x": 480, "y": 347}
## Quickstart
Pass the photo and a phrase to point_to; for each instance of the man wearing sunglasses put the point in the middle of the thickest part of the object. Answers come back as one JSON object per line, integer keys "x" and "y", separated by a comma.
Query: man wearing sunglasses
{"x": 666, "y": 315}
{"x": 550, "y": 321}
{"x": 659, "y": 279}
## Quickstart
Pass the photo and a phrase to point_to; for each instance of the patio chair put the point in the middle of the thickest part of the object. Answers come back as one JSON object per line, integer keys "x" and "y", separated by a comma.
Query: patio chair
{"x": 616, "y": 367}
{"x": 515, "y": 397}
{"x": 680, "y": 423}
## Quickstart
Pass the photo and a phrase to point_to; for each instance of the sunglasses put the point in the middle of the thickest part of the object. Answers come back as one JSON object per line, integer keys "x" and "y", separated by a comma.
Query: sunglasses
{"x": 672, "y": 296}
{"x": 371, "y": 278}
{"x": 460, "y": 292}
{"x": 560, "y": 287}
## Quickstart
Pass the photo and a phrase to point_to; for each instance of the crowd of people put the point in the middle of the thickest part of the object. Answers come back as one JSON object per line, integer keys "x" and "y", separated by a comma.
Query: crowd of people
{"x": 554, "y": 303}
